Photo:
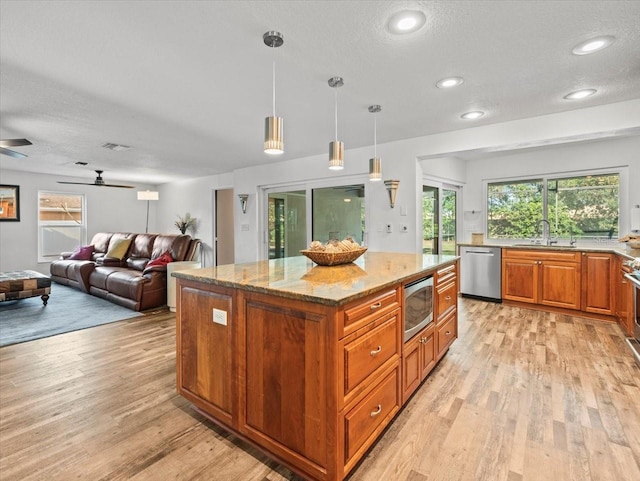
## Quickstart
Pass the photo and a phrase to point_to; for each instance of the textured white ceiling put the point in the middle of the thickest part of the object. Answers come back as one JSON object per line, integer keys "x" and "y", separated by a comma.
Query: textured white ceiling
{"x": 187, "y": 84}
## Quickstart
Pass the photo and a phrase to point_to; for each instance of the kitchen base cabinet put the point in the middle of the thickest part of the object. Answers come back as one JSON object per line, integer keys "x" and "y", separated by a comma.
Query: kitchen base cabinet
{"x": 624, "y": 299}
{"x": 418, "y": 359}
{"x": 598, "y": 273}
{"x": 313, "y": 384}
{"x": 550, "y": 278}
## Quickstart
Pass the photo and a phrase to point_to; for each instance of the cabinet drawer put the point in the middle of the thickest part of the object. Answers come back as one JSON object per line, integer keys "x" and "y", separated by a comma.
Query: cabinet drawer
{"x": 446, "y": 274}
{"x": 446, "y": 299}
{"x": 374, "y": 411}
{"x": 447, "y": 332}
{"x": 542, "y": 254}
{"x": 367, "y": 353}
{"x": 366, "y": 310}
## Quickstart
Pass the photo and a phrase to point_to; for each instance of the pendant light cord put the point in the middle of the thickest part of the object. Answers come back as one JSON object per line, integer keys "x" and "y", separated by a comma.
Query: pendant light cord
{"x": 336, "y": 114}
{"x": 375, "y": 135}
{"x": 274, "y": 86}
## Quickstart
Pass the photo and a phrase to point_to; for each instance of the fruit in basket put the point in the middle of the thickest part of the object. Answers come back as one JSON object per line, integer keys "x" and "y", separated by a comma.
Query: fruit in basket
{"x": 333, "y": 246}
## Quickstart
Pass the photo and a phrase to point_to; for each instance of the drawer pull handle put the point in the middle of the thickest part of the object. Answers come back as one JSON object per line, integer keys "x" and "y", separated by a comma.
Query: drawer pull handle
{"x": 448, "y": 298}
{"x": 377, "y": 351}
{"x": 377, "y": 305}
{"x": 448, "y": 333}
{"x": 377, "y": 411}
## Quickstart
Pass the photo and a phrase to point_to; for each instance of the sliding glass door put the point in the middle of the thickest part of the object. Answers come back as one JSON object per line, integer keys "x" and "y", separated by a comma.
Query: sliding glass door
{"x": 287, "y": 224}
{"x": 439, "y": 219}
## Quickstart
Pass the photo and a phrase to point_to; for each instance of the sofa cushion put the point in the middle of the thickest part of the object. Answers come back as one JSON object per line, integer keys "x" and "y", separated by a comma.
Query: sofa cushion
{"x": 82, "y": 253}
{"x": 176, "y": 245}
{"x": 142, "y": 246}
{"x": 118, "y": 248}
{"x": 100, "y": 242}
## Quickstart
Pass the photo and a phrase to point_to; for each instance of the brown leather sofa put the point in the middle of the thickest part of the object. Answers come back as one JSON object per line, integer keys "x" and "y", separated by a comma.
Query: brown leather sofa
{"x": 127, "y": 281}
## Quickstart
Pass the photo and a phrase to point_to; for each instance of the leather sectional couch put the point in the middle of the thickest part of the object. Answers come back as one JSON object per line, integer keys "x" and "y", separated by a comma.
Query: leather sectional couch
{"x": 128, "y": 281}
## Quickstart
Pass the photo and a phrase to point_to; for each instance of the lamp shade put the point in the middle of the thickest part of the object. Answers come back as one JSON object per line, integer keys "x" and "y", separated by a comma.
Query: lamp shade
{"x": 148, "y": 195}
{"x": 273, "y": 135}
{"x": 375, "y": 169}
{"x": 336, "y": 155}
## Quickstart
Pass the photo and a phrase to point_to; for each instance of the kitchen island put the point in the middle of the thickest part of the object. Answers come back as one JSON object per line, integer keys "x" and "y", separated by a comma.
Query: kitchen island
{"x": 307, "y": 362}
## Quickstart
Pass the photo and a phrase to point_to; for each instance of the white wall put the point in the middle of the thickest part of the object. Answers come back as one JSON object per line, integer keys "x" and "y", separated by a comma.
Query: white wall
{"x": 429, "y": 157}
{"x": 619, "y": 152}
{"x": 108, "y": 210}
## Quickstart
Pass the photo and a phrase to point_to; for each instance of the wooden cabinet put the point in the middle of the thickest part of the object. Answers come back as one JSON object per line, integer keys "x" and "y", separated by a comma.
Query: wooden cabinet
{"x": 624, "y": 298}
{"x": 312, "y": 384}
{"x": 550, "y": 278}
{"x": 598, "y": 273}
{"x": 418, "y": 359}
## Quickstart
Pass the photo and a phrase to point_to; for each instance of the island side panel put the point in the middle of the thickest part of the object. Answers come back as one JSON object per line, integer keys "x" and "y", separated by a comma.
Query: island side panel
{"x": 286, "y": 352}
{"x": 204, "y": 350}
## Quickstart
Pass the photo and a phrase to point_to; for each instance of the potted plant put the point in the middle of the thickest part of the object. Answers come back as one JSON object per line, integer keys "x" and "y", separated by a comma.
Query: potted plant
{"x": 185, "y": 223}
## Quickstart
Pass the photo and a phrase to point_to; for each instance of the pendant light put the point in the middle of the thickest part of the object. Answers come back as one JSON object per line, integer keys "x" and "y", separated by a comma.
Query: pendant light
{"x": 336, "y": 148}
{"x": 273, "y": 126}
{"x": 375, "y": 164}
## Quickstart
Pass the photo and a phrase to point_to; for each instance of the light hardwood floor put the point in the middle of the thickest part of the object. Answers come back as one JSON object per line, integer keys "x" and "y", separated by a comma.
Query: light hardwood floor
{"x": 521, "y": 395}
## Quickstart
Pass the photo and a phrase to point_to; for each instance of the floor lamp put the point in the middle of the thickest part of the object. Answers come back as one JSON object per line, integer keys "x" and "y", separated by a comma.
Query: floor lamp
{"x": 148, "y": 195}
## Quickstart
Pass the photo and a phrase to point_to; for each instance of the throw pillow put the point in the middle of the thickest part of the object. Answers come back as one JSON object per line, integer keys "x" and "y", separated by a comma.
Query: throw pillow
{"x": 118, "y": 249}
{"x": 159, "y": 263}
{"x": 161, "y": 260}
{"x": 82, "y": 253}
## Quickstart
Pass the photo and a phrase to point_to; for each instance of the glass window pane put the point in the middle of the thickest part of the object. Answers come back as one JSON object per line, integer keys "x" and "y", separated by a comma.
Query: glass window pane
{"x": 60, "y": 239}
{"x": 448, "y": 222}
{"x": 338, "y": 212}
{"x": 586, "y": 206}
{"x": 287, "y": 213}
{"x": 54, "y": 207}
{"x": 514, "y": 209}
{"x": 430, "y": 219}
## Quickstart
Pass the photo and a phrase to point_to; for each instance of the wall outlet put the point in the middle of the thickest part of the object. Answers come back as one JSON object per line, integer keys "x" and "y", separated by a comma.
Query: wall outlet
{"x": 244, "y": 227}
{"x": 389, "y": 229}
{"x": 220, "y": 317}
{"x": 404, "y": 228}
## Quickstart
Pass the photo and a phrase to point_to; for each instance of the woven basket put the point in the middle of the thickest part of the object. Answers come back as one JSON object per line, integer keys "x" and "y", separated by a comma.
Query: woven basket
{"x": 333, "y": 258}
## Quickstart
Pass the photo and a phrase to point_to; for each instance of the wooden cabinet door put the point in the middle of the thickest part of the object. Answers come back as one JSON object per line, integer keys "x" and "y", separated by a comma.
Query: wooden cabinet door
{"x": 427, "y": 351}
{"x": 520, "y": 280}
{"x": 598, "y": 269}
{"x": 624, "y": 303}
{"x": 204, "y": 365}
{"x": 560, "y": 284}
{"x": 411, "y": 372}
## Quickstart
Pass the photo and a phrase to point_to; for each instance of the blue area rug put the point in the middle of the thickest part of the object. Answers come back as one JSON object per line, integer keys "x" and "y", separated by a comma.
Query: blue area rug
{"x": 68, "y": 310}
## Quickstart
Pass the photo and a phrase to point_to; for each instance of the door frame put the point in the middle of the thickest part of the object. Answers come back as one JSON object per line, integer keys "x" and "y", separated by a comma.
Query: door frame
{"x": 440, "y": 185}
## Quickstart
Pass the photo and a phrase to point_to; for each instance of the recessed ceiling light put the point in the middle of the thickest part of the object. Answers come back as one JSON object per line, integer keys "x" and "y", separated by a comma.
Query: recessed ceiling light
{"x": 476, "y": 114}
{"x": 406, "y": 21}
{"x": 449, "y": 82}
{"x": 593, "y": 45}
{"x": 580, "y": 94}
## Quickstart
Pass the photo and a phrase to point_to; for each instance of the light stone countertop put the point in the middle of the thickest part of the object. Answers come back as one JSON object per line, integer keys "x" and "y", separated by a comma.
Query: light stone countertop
{"x": 621, "y": 250}
{"x": 299, "y": 278}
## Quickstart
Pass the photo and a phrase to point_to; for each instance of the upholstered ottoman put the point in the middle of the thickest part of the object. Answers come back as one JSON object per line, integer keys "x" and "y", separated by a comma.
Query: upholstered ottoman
{"x": 23, "y": 284}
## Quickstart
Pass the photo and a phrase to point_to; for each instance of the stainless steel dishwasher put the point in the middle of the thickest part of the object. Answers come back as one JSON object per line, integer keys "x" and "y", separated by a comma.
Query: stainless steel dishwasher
{"x": 481, "y": 272}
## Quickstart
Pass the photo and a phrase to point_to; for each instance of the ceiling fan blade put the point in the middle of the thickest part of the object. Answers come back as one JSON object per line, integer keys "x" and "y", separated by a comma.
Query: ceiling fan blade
{"x": 12, "y": 153}
{"x": 14, "y": 142}
{"x": 117, "y": 185}
{"x": 97, "y": 185}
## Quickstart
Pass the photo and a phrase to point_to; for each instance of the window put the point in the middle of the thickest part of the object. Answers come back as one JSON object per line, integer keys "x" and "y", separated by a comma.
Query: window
{"x": 585, "y": 207}
{"x": 61, "y": 223}
{"x": 339, "y": 212}
{"x": 439, "y": 219}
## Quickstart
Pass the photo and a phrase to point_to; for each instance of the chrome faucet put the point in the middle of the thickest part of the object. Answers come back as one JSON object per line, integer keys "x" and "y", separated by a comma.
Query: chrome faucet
{"x": 546, "y": 231}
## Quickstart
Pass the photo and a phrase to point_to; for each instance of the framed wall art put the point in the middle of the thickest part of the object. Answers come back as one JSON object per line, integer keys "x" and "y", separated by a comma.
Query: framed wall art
{"x": 9, "y": 203}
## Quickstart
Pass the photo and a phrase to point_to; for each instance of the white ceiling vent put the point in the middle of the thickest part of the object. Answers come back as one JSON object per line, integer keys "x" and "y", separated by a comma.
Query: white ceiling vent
{"x": 116, "y": 147}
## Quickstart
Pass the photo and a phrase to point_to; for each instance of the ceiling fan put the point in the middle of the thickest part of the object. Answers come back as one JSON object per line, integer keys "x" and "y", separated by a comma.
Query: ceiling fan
{"x": 98, "y": 182}
{"x": 13, "y": 143}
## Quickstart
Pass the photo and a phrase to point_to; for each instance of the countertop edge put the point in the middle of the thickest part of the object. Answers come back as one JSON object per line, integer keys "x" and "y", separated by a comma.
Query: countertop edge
{"x": 191, "y": 275}
{"x": 630, "y": 254}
